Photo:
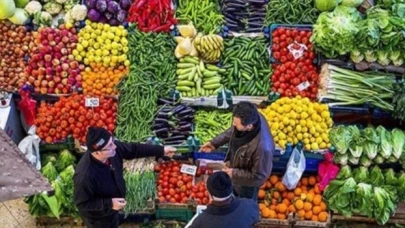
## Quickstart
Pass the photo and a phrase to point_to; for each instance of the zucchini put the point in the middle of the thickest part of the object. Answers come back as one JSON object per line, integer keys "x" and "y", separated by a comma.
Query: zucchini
{"x": 183, "y": 88}
{"x": 185, "y": 83}
{"x": 209, "y": 74}
{"x": 212, "y": 86}
{"x": 189, "y": 59}
{"x": 185, "y": 65}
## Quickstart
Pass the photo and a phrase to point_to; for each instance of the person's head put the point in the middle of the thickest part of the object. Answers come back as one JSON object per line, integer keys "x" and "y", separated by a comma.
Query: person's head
{"x": 100, "y": 143}
{"x": 219, "y": 186}
{"x": 245, "y": 115}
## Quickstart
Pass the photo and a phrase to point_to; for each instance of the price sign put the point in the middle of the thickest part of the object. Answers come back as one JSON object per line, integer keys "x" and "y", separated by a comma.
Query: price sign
{"x": 92, "y": 102}
{"x": 188, "y": 169}
{"x": 303, "y": 86}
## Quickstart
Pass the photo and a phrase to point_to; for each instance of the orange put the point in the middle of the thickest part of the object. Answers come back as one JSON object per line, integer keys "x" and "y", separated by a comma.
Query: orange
{"x": 312, "y": 180}
{"x": 261, "y": 206}
{"x": 284, "y": 195}
{"x": 272, "y": 214}
{"x": 323, "y": 216}
{"x": 308, "y": 215}
{"x": 314, "y": 218}
{"x": 273, "y": 179}
{"x": 316, "y": 210}
{"x": 276, "y": 195}
{"x": 297, "y": 191}
{"x": 286, "y": 202}
{"x": 273, "y": 207}
{"x": 280, "y": 186}
{"x": 282, "y": 208}
{"x": 281, "y": 216}
{"x": 307, "y": 206}
{"x": 261, "y": 194}
{"x": 266, "y": 212}
{"x": 290, "y": 196}
{"x": 304, "y": 189}
{"x": 274, "y": 202}
{"x": 301, "y": 213}
{"x": 317, "y": 190}
{"x": 323, "y": 206}
{"x": 310, "y": 197}
{"x": 268, "y": 184}
{"x": 291, "y": 208}
{"x": 304, "y": 181}
{"x": 299, "y": 204}
{"x": 317, "y": 200}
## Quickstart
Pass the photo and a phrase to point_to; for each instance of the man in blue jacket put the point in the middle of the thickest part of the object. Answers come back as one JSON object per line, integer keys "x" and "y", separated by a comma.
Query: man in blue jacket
{"x": 99, "y": 186}
{"x": 225, "y": 210}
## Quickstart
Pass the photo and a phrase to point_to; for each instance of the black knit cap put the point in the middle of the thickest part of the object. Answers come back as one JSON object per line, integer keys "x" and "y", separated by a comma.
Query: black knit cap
{"x": 219, "y": 184}
{"x": 97, "y": 138}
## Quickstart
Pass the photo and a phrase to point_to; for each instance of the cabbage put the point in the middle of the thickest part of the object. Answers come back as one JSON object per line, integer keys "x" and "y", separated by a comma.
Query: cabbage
{"x": 344, "y": 173}
{"x": 20, "y": 17}
{"x": 326, "y": 5}
{"x": 360, "y": 174}
{"x": 351, "y": 3}
{"x": 7, "y": 9}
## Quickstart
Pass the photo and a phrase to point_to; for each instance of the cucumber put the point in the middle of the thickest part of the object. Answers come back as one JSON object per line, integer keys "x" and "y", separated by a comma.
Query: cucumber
{"x": 222, "y": 70}
{"x": 183, "y": 88}
{"x": 185, "y": 83}
{"x": 183, "y": 71}
{"x": 189, "y": 59}
{"x": 212, "y": 67}
{"x": 185, "y": 65}
{"x": 183, "y": 76}
{"x": 192, "y": 74}
{"x": 214, "y": 80}
{"x": 212, "y": 86}
{"x": 209, "y": 74}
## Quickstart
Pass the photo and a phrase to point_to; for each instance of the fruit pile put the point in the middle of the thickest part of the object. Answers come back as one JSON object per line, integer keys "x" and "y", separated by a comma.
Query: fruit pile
{"x": 176, "y": 187}
{"x": 102, "y": 80}
{"x": 70, "y": 116}
{"x": 52, "y": 67}
{"x": 103, "y": 44}
{"x": 294, "y": 72}
{"x": 276, "y": 202}
{"x": 298, "y": 119}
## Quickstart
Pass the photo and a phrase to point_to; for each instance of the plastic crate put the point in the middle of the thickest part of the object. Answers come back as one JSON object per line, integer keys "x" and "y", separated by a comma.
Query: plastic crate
{"x": 216, "y": 156}
{"x": 175, "y": 214}
{"x": 299, "y": 27}
{"x": 68, "y": 144}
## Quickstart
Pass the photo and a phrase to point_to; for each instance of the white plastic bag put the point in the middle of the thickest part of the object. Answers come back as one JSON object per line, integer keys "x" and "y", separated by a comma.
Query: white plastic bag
{"x": 295, "y": 169}
{"x": 29, "y": 146}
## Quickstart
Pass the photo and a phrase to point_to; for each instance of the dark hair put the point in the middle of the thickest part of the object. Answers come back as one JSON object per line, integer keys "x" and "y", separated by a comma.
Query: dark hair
{"x": 247, "y": 112}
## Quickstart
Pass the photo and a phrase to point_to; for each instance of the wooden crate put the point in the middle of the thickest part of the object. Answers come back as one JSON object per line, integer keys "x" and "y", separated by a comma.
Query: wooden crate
{"x": 305, "y": 223}
{"x": 62, "y": 221}
{"x": 275, "y": 223}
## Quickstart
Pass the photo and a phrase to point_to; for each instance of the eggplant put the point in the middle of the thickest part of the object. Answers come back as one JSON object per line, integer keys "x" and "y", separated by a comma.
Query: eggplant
{"x": 254, "y": 30}
{"x": 255, "y": 25}
{"x": 161, "y": 130}
{"x": 186, "y": 127}
{"x": 184, "y": 122}
{"x": 230, "y": 16}
{"x": 188, "y": 117}
{"x": 188, "y": 111}
{"x": 230, "y": 9}
{"x": 158, "y": 126}
{"x": 235, "y": 5}
{"x": 178, "y": 109}
{"x": 165, "y": 101}
{"x": 163, "y": 121}
{"x": 175, "y": 138}
{"x": 175, "y": 132}
{"x": 257, "y": 1}
{"x": 163, "y": 115}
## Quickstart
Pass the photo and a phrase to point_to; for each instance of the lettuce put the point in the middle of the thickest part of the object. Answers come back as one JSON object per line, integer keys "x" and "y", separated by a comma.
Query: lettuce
{"x": 365, "y": 161}
{"x": 361, "y": 174}
{"x": 340, "y": 194}
{"x": 398, "y": 142}
{"x": 401, "y": 186}
{"x": 345, "y": 172}
{"x": 353, "y": 160}
{"x": 341, "y": 159}
{"x": 376, "y": 177}
{"x": 371, "y": 142}
{"x": 49, "y": 172}
{"x": 340, "y": 138}
{"x": 65, "y": 159}
{"x": 383, "y": 205}
{"x": 356, "y": 143}
{"x": 390, "y": 178}
{"x": 363, "y": 200}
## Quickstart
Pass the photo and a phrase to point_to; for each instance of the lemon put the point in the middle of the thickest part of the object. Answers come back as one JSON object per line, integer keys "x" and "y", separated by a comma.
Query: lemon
{"x": 97, "y": 59}
{"x": 298, "y": 128}
{"x": 106, "y": 27}
{"x": 306, "y": 141}
{"x": 299, "y": 136}
{"x": 328, "y": 145}
{"x": 122, "y": 58}
{"x": 303, "y": 123}
{"x": 275, "y": 126}
{"x": 293, "y": 115}
{"x": 309, "y": 123}
{"x": 127, "y": 63}
{"x": 85, "y": 43}
{"x": 298, "y": 109}
{"x": 304, "y": 129}
{"x": 281, "y": 135}
{"x": 106, "y": 52}
{"x": 287, "y": 108}
{"x": 83, "y": 53}
{"x": 312, "y": 130}
{"x": 86, "y": 61}
{"x": 290, "y": 140}
{"x": 282, "y": 143}
{"x": 312, "y": 140}
{"x": 124, "y": 33}
{"x": 307, "y": 146}
{"x": 289, "y": 129}
{"x": 87, "y": 22}
{"x": 79, "y": 47}
{"x": 99, "y": 52}
{"x": 91, "y": 58}
{"x": 78, "y": 58}
{"x": 304, "y": 115}
{"x": 322, "y": 145}
{"x": 292, "y": 122}
{"x": 114, "y": 51}
{"x": 325, "y": 114}
{"x": 75, "y": 52}
{"x": 285, "y": 121}
{"x": 318, "y": 140}
{"x": 310, "y": 110}
{"x": 305, "y": 100}
{"x": 276, "y": 139}
{"x": 314, "y": 146}
{"x": 280, "y": 110}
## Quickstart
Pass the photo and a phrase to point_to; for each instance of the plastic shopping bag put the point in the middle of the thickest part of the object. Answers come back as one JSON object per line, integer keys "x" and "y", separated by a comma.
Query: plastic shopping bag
{"x": 327, "y": 171}
{"x": 295, "y": 168}
{"x": 29, "y": 146}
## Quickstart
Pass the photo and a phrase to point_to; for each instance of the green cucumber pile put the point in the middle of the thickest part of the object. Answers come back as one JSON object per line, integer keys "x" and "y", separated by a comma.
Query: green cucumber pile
{"x": 246, "y": 64}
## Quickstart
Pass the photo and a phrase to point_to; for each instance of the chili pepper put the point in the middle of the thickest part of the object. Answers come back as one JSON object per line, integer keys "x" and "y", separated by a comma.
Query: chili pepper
{"x": 162, "y": 28}
{"x": 140, "y": 4}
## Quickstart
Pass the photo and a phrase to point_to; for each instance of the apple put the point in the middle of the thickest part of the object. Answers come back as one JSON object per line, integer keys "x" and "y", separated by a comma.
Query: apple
{"x": 57, "y": 79}
{"x": 65, "y": 81}
{"x": 51, "y": 84}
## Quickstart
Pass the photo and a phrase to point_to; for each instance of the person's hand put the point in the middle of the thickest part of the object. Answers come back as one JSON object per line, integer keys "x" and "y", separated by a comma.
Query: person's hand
{"x": 207, "y": 148}
{"x": 118, "y": 203}
{"x": 170, "y": 151}
{"x": 228, "y": 171}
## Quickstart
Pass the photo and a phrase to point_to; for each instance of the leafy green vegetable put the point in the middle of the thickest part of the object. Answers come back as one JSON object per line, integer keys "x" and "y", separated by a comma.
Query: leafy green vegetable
{"x": 363, "y": 200}
{"x": 340, "y": 194}
{"x": 365, "y": 161}
{"x": 378, "y": 159}
{"x": 360, "y": 174}
{"x": 46, "y": 158}
{"x": 401, "y": 186}
{"x": 65, "y": 159}
{"x": 351, "y": 3}
{"x": 49, "y": 171}
{"x": 376, "y": 177}
{"x": 345, "y": 172}
{"x": 356, "y": 144}
{"x": 383, "y": 206}
{"x": 398, "y": 142}
{"x": 371, "y": 142}
{"x": 341, "y": 159}
{"x": 340, "y": 137}
{"x": 353, "y": 160}
{"x": 390, "y": 178}
{"x": 326, "y": 5}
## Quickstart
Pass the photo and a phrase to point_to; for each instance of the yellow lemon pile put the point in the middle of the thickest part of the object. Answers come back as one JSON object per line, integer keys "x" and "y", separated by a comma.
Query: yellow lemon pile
{"x": 298, "y": 119}
{"x": 103, "y": 44}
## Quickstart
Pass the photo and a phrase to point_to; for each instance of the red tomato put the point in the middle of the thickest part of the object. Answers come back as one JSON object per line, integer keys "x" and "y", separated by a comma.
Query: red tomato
{"x": 162, "y": 199}
{"x": 168, "y": 197}
{"x": 165, "y": 178}
{"x": 172, "y": 192}
{"x": 156, "y": 168}
{"x": 205, "y": 200}
{"x": 173, "y": 181}
{"x": 180, "y": 183}
{"x": 276, "y": 40}
{"x": 177, "y": 197}
{"x": 276, "y": 55}
{"x": 172, "y": 200}
{"x": 165, "y": 184}
{"x": 200, "y": 195}
{"x": 281, "y": 31}
{"x": 176, "y": 169}
{"x": 189, "y": 186}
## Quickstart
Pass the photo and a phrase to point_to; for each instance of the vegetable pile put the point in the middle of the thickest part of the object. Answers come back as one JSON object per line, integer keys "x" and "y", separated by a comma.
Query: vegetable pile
{"x": 355, "y": 88}
{"x": 152, "y": 75}
{"x": 364, "y": 147}
{"x": 204, "y": 14}
{"x": 247, "y": 68}
{"x": 102, "y": 44}
{"x": 140, "y": 181}
{"x": 18, "y": 42}
{"x": 374, "y": 194}
{"x": 291, "y": 12}
{"x": 198, "y": 79}
{"x": 152, "y": 16}
{"x": 243, "y": 15}
{"x": 398, "y": 101}
{"x": 98, "y": 81}
{"x": 276, "y": 202}
{"x": 111, "y": 11}
{"x": 69, "y": 116}
{"x": 52, "y": 68}
{"x": 209, "y": 124}
{"x": 173, "y": 123}
{"x": 298, "y": 119}
{"x": 294, "y": 72}
{"x": 59, "y": 171}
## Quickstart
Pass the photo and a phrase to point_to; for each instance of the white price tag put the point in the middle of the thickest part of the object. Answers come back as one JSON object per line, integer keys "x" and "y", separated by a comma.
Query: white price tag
{"x": 92, "y": 102}
{"x": 188, "y": 169}
{"x": 303, "y": 86}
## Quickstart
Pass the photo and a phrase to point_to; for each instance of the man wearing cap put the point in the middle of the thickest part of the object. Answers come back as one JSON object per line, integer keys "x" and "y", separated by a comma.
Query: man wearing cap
{"x": 251, "y": 147}
{"x": 99, "y": 186}
{"x": 225, "y": 210}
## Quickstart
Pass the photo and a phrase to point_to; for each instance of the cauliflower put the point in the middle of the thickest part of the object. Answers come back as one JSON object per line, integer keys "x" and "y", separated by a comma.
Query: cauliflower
{"x": 69, "y": 4}
{"x": 33, "y": 7}
{"x": 78, "y": 12}
{"x": 68, "y": 18}
{"x": 42, "y": 18}
{"x": 61, "y": 1}
{"x": 53, "y": 8}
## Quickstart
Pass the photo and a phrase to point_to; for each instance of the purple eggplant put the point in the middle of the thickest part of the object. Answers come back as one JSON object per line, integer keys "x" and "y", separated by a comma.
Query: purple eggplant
{"x": 101, "y": 6}
{"x": 187, "y": 118}
{"x": 186, "y": 127}
{"x": 93, "y": 15}
{"x": 162, "y": 130}
{"x": 165, "y": 101}
{"x": 113, "y": 7}
{"x": 178, "y": 109}
{"x": 125, "y": 4}
{"x": 122, "y": 14}
{"x": 185, "y": 112}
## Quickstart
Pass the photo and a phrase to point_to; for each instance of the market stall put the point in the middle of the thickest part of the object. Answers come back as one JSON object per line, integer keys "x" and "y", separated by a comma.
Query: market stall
{"x": 326, "y": 75}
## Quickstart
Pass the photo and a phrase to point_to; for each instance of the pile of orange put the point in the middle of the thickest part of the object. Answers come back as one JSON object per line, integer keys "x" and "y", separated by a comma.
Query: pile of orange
{"x": 276, "y": 201}
{"x": 100, "y": 80}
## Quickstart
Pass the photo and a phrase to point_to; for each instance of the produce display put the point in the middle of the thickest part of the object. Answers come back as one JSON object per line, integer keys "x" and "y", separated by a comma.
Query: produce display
{"x": 52, "y": 68}
{"x": 246, "y": 63}
{"x": 140, "y": 180}
{"x": 367, "y": 146}
{"x": 198, "y": 79}
{"x": 111, "y": 12}
{"x": 291, "y": 12}
{"x": 243, "y": 15}
{"x": 69, "y": 116}
{"x": 370, "y": 192}
{"x": 18, "y": 41}
{"x": 204, "y": 14}
{"x": 294, "y": 120}
{"x": 398, "y": 101}
{"x": 59, "y": 170}
{"x": 209, "y": 124}
{"x": 152, "y": 75}
{"x": 294, "y": 72}
{"x": 355, "y": 88}
{"x": 102, "y": 44}
{"x": 276, "y": 202}
{"x": 173, "y": 123}
{"x": 152, "y": 16}
{"x": 101, "y": 80}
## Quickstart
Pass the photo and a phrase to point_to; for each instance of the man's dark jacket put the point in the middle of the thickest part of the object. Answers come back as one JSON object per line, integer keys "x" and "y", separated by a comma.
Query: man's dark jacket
{"x": 95, "y": 183}
{"x": 240, "y": 213}
{"x": 253, "y": 161}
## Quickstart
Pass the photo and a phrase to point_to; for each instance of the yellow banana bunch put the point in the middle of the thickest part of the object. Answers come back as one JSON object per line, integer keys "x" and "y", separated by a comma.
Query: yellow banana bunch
{"x": 209, "y": 47}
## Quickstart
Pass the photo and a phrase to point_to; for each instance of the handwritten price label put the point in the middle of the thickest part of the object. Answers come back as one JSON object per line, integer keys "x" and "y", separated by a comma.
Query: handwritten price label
{"x": 92, "y": 102}
{"x": 188, "y": 169}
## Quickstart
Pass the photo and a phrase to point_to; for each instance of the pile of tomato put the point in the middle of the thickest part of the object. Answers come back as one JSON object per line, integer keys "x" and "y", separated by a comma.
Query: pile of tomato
{"x": 298, "y": 75}
{"x": 69, "y": 116}
{"x": 176, "y": 187}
